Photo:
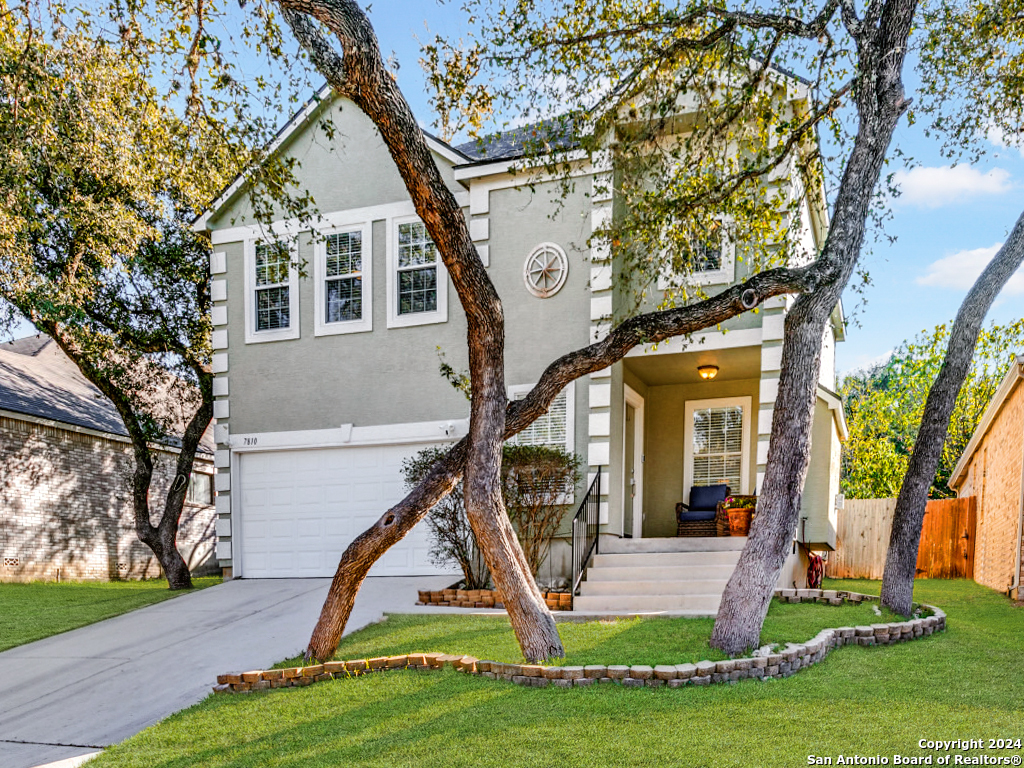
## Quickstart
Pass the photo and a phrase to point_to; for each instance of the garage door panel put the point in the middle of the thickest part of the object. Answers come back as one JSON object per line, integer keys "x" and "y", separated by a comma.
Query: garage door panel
{"x": 301, "y": 509}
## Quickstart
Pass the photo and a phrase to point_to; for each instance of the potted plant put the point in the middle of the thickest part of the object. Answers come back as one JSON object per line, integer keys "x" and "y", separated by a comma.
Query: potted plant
{"x": 740, "y": 510}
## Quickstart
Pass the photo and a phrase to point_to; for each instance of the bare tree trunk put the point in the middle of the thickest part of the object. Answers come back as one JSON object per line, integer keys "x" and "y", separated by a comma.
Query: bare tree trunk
{"x": 881, "y": 44}
{"x": 908, "y": 517}
{"x": 370, "y": 545}
{"x": 531, "y": 620}
{"x": 359, "y": 74}
{"x": 160, "y": 538}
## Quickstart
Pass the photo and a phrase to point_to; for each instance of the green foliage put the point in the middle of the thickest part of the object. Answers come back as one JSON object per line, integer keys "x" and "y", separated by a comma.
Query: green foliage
{"x": 458, "y": 379}
{"x": 972, "y": 72}
{"x": 452, "y": 539}
{"x": 101, "y": 182}
{"x": 884, "y": 406}
{"x": 741, "y": 502}
{"x": 692, "y": 106}
{"x": 535, "y": 480}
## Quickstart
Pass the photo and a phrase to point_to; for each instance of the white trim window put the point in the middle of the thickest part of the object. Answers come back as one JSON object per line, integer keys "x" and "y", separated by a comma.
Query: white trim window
{"x": 271, "y": 291}
{"x": 557, "y": 427}
{"x": 712, "y": 261}
{"x": 417, "y": 279}
{"x": 716, "y": 444}
{"x": 342, "y": 271}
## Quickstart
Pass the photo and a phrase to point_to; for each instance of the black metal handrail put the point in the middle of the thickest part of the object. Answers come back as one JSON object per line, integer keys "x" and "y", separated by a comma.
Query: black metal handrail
{"x": 585, "y": 527}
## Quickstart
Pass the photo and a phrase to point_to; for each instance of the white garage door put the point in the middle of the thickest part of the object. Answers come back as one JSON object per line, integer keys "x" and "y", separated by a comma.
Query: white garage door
{"x": 301, "y": 509}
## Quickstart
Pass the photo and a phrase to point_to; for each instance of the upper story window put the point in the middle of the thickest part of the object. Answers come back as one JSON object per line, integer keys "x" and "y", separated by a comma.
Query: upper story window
{"x": 271, "y": 296}
{"x": 708, "y": 257}
{"x": 343, "y": 282}
{"x": 417, "y": 279}
{"x": 417, "y": 269}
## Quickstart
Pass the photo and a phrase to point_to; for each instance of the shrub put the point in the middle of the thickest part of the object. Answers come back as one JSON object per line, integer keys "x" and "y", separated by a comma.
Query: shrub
{"x": 452, "y": 539}
{"x": 535, "y": 483}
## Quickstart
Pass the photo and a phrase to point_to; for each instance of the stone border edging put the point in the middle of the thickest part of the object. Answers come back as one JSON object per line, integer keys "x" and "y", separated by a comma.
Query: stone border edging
{"x": 761, "y": 666}
{"x": 487, "y": 598}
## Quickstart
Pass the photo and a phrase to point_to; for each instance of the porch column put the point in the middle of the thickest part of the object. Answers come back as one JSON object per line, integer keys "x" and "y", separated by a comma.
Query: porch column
{"x": 601, "y": 309}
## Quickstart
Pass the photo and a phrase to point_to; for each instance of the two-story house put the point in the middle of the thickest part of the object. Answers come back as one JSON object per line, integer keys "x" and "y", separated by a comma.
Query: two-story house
{"x": 327, "y": 377}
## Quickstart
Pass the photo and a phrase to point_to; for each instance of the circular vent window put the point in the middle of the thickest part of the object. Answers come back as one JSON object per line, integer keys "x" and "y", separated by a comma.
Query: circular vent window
{"x": 545, "y": 270}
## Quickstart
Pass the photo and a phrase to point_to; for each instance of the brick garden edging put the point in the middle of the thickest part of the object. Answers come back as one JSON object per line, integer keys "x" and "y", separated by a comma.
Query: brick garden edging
{"x": 771, "y": 665}
{"x": 486, "y": 598}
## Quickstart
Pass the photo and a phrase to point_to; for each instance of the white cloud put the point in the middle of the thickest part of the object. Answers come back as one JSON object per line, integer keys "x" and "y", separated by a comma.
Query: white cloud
{"x": 943, "y": 185}
{"x": 961, "y": 269}
{"x": 999, "y": 138}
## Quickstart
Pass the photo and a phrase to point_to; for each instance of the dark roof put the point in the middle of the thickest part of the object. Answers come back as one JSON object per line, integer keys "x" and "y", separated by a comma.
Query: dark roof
{"x": 555, "y": 133}
{"x": 29, "y": 345}
{"x": 38, "y": 379}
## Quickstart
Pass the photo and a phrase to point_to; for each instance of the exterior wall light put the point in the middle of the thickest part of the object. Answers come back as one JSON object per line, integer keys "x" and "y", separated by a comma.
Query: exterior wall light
{"x": 707, "y": 372}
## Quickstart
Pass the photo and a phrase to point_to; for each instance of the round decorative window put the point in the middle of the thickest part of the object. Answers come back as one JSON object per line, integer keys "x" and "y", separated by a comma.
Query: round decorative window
{"x": 545, "y": 270}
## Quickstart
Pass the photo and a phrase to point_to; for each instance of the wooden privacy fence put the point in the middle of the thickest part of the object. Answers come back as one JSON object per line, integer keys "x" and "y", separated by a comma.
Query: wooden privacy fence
{"x": 862, "y": 539}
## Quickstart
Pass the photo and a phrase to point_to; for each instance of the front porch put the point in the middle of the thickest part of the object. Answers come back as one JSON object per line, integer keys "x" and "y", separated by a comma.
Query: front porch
{"x": 681, "y": 429}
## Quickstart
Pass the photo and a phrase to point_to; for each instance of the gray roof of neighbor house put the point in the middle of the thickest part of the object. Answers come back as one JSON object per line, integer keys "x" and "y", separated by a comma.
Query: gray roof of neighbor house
{"x": 38, "y": 379}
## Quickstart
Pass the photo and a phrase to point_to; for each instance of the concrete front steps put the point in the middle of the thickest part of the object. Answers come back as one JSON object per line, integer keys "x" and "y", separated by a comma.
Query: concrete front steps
{"x": 683, "y": 576}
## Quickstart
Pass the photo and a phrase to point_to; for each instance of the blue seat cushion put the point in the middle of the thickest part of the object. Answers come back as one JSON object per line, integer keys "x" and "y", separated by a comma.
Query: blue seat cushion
{"x": 697, "y": 516}
{"x": 706, "y": 497}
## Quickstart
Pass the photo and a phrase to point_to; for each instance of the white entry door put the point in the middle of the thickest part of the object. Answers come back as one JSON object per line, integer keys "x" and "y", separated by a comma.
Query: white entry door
{"x": 300, "y": 509}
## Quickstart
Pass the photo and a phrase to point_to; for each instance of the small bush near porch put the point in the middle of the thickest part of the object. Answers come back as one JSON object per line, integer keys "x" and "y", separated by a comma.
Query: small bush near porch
{"x": 967, "y": 682}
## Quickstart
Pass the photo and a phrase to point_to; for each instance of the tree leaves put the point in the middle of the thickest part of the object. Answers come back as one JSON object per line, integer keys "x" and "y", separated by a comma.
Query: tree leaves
{"x": 884, "y": 407}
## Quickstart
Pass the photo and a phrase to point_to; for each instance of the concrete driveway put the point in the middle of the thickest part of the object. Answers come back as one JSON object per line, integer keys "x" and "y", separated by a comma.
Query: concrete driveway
{"x": 74, "y": 693}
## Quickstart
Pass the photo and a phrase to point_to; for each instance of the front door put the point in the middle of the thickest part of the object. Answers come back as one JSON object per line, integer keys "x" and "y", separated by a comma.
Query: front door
{"x": 633, "y": 466}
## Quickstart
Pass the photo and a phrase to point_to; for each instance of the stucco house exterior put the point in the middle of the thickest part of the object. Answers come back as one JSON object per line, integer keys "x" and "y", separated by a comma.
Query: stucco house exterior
{"x": 326, "y": 382}
{"x": 992, "y": 470}
{"x": 65, "y": 467}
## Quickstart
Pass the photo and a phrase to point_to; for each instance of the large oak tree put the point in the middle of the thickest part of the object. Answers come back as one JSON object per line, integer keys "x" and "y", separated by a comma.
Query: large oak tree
{"x": 101, "y": 178}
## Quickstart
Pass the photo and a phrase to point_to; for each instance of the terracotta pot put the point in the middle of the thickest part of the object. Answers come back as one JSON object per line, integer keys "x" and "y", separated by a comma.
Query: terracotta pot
{"x": 739, "y": 521}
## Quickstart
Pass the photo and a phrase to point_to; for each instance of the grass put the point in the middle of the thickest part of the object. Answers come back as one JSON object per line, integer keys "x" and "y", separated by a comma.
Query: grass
{"x": 38, "y": 609}
{"x": 626, "y": 641}
{"x": 965, "y": 683}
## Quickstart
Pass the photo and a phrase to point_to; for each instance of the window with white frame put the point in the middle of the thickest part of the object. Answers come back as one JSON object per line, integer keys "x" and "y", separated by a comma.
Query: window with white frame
{"x": 555, "y": 428}
{"x": 417, "y": 284}
{"x": 704, "y": 258}
{"x": 271, "y": 292}
{"x": 343, "y": 285}
{"x": 717, "y": 443}
{"x": 417, "y": 269}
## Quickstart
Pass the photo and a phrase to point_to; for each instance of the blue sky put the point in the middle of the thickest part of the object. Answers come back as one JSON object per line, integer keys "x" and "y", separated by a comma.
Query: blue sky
{"x": 947, "y": 223}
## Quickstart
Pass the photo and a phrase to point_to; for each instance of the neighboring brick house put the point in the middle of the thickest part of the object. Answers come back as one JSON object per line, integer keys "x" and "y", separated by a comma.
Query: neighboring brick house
{"x": 65, "y": 465}
{"x": 992, "y": 470}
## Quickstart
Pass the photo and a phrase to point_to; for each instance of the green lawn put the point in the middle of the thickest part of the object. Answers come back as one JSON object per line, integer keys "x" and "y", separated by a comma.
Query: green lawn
{"x": 39, "y": 609}
{"x": 965, "y": 683}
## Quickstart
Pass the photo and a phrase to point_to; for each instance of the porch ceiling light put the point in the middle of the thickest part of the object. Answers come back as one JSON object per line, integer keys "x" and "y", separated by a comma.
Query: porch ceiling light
{"x": 707, "y": 372}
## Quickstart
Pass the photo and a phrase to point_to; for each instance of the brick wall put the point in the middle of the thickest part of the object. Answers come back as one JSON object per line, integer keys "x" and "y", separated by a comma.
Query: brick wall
{"x": 994, "y": 477}
{"x": 65, "y": 503}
